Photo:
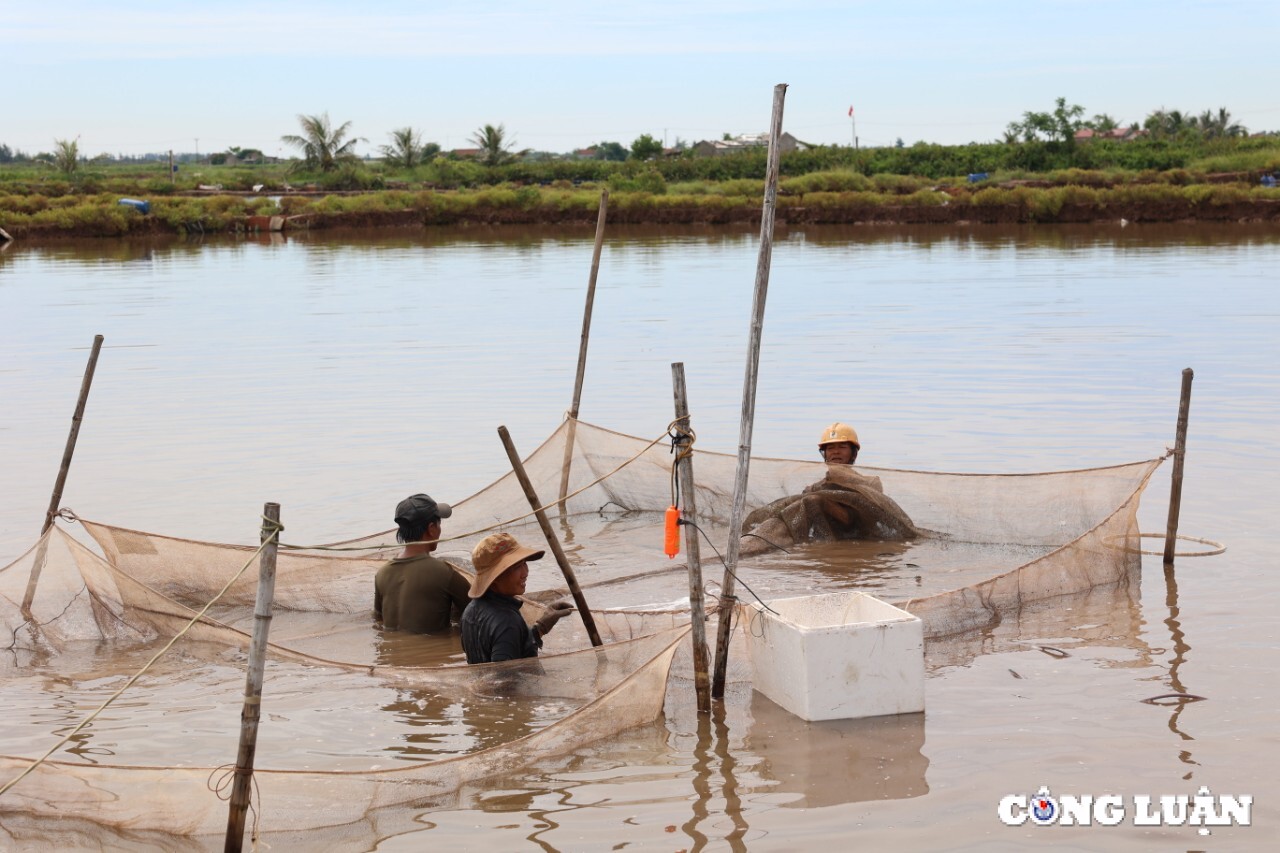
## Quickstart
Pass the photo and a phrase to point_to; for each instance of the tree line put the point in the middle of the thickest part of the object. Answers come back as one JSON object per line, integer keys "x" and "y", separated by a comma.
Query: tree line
{"x": 1038, "y": 141}
{"x": 1064, "y": 121}
{"x": 325, "y": 147}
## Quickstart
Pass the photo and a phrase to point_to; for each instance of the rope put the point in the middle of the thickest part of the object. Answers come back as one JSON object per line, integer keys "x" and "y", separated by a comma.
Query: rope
{"x": 1215, "y": 547}
{"x": 221, "y": 782}
{"x": 682, "y": 439}
{"x": 1173, "y": 699}
{"x": 500, "y": 524}
{"x": 274, "y": 534}
{"x": 730, "y": 571}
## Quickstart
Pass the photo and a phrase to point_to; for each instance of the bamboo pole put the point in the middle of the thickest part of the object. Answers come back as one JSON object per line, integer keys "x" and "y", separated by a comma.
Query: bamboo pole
{"x": 727, "y": 597}
{"x": 567, "y": 570}
{"x": 689, "y": 514}
{"x": 252, "y": 710}
{"x": 582, "y": 348}
{"x": 1179, "y": 458}
{"x": 67, "y": 452}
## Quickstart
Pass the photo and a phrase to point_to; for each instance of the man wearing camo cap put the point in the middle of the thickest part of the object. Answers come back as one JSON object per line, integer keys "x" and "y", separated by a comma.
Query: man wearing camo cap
{"x": 417, "y": 592}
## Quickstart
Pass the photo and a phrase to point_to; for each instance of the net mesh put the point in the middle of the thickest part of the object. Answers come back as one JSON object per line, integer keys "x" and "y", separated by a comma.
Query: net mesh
{"x": 992, "y": 547}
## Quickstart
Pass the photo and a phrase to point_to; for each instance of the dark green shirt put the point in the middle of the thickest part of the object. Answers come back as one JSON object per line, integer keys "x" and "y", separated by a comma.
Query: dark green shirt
{"x": 418, "y": 594}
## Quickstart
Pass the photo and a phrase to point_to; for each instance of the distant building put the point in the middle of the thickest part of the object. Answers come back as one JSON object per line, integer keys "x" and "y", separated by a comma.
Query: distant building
{"x": 1118, "y": 134}
{"x": 467, "y": 153}
{"x": 745, "y": 142}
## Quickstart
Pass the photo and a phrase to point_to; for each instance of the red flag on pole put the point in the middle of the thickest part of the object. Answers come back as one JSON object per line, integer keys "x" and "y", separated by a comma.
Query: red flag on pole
{"x": 850, "y": 112}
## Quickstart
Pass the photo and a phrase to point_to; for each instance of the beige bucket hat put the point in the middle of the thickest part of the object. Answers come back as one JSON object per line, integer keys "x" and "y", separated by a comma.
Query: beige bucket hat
{"x": 493, "y": 555}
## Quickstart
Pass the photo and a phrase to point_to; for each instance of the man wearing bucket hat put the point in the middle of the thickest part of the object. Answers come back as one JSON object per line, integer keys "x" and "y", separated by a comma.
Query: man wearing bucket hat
{"x": 492, "y": 627}
{"x": 417, "y": 592}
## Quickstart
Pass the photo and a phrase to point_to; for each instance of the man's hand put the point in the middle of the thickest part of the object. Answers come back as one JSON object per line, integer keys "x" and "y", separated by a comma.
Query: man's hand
{"x": 556, "y": 611}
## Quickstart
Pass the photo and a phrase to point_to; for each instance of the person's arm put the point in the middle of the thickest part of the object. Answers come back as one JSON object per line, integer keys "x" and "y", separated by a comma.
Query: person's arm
{"x": 377, "y": 602}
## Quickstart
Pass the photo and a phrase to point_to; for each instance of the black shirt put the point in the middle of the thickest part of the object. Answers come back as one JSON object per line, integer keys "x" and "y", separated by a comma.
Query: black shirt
{"x": 493, "y": 630}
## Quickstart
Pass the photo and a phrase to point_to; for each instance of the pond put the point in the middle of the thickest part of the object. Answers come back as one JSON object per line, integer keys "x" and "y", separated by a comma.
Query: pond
{"x": 335, "y": 373}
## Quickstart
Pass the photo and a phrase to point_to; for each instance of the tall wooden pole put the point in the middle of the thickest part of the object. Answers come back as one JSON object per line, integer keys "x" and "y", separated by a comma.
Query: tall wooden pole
{"x": 1179, "y": 457}
{"x": 252, "y": 711}
{"x": 582, "y": 347}
{"x": 67, "y": 452}
{"x": 727, "y": 597}
{"x": 689, "y": 514}
{"x": 567, "y": 570}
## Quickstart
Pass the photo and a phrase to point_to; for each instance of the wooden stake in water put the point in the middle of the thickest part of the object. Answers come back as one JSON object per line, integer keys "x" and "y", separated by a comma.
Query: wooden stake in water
{"x": 67, "y": 452}
{"x": 567, "y": 570}
{"x": 252, "y": 711}
{"x": 1179, "y": 457}
{"x": 582, "y": 347}
{"x": 727, "y": 597}
{"x": 689, "y": 514}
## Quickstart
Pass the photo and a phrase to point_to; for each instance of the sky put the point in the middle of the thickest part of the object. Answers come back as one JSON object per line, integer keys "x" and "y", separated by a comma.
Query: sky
{"x": 138, "y": 76}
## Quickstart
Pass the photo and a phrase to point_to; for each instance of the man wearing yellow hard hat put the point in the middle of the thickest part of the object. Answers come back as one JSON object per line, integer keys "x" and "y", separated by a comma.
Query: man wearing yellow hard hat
{"x": 839, "y": 444}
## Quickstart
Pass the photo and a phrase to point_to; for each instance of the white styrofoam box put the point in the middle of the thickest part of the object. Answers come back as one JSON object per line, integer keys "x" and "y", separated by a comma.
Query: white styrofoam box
{"x": 838, "y": 656}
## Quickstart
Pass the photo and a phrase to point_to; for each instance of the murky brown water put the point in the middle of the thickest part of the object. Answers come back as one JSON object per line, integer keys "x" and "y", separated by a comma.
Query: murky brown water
{"x": 335, "y": 375}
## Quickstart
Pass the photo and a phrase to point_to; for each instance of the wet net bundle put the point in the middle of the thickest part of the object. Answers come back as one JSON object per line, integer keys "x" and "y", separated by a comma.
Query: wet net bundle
{"x": 988, "y": 547}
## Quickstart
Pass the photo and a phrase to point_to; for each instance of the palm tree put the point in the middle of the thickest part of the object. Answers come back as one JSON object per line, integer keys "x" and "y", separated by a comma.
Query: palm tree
{"x": 66, "y": 155}
{"x": 1162, "y": 123}
{"x": 323, "y": 146}
{"x": 1103, "y": 122}
{"x": 406, "y": 149}
{"x": 1220, "y": 125}
{"x": 494, "y": 146}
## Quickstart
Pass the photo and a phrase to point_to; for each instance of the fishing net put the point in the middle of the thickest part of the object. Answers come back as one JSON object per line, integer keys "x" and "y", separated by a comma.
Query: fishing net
{"x": 397, "y": 719}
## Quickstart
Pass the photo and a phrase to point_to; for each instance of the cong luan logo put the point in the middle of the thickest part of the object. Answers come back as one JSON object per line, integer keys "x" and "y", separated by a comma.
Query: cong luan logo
{"x": 1203, "y": 810}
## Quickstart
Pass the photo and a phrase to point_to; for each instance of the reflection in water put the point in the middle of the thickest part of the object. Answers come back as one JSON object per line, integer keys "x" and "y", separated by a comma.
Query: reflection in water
{"x": 701, "y": 782}
{"x": 839, "y": 761}
{"x": 732, "y": 799}
{"x": 820, "y": 764}
{"x": 549, "y": 823}
{"x": 481, "y": 714}
{"x": 436, "y": 722}
{"x": 528, "y": 802}
{"x": 714, "y": 752}
{"x": 1180, "y": 649}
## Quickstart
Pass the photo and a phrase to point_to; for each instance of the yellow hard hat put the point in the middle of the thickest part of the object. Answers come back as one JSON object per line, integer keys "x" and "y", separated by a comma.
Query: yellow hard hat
{"x": 837, "y": 433}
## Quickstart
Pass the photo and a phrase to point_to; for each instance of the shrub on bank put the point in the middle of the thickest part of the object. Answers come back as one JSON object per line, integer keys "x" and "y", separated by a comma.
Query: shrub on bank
{"x": 930, "y": 198}
{"x": 647, "y": 181}
{"x": 825, "y": 182}
{"x": 899, "y": 184}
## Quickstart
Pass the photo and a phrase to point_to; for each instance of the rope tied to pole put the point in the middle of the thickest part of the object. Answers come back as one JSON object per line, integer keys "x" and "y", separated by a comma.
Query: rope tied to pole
{"x": 682, "y": 439}
{"x": 221, "y": 782}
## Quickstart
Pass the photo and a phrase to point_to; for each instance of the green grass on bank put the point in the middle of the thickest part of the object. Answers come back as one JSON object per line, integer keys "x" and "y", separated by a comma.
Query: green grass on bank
{"x": 901, "y": 171}
{"x": 820, "y": 198}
